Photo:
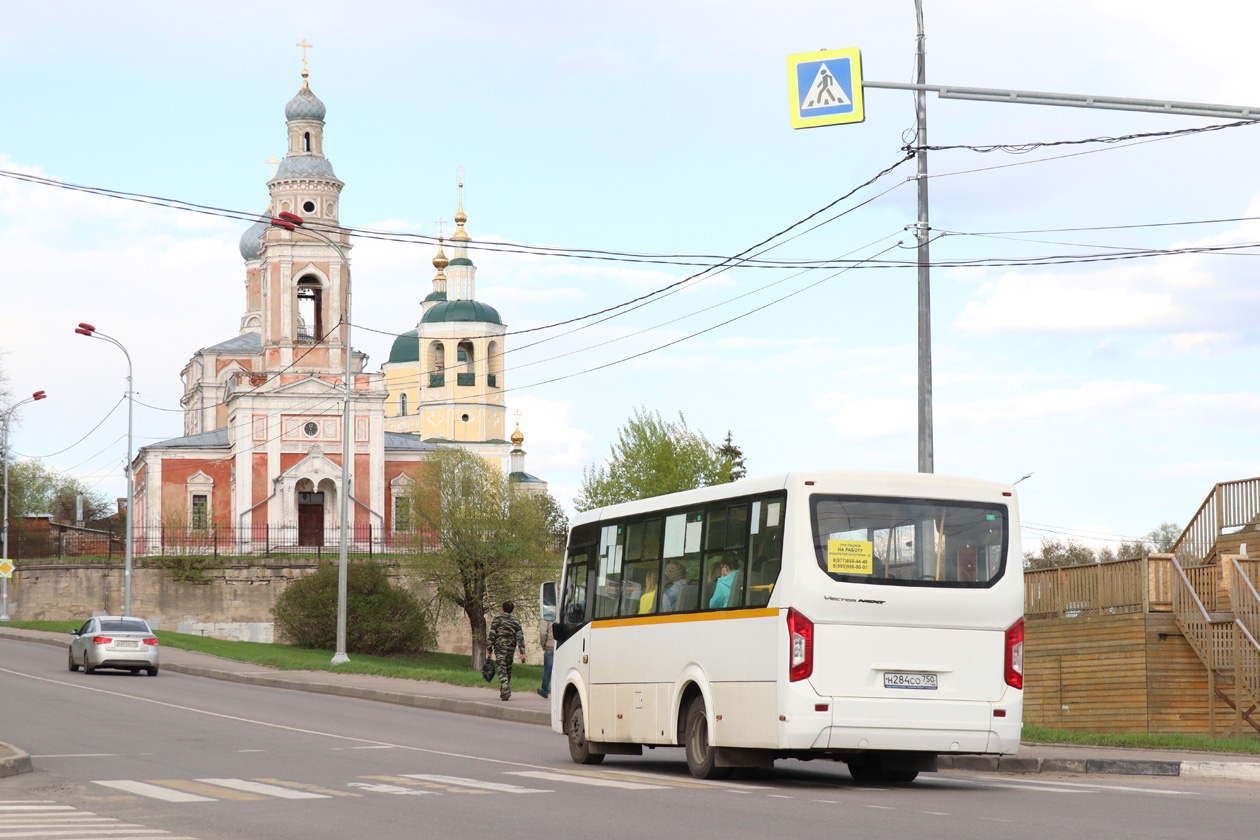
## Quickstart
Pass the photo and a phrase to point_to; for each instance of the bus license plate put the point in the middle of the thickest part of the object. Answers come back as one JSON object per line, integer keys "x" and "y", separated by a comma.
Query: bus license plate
{"x": 922, "y": 682}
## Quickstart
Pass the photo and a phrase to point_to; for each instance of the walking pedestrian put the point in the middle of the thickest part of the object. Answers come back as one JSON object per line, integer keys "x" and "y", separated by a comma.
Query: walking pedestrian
{"x": 547, "y": 639}
{"x": 505, "y": 637}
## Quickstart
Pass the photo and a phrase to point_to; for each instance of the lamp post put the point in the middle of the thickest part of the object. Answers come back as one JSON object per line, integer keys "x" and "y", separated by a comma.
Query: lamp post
{"x": 129, "y": 537}
{"x": 290, "y": 222}
{"x": 4, "y": 533}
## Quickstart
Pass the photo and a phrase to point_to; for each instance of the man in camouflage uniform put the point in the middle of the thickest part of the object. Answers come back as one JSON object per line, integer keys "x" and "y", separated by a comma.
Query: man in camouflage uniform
{"x": 505, "y": 637}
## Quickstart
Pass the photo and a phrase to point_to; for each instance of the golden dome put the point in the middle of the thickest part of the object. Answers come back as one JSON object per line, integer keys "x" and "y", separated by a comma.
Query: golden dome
{"x": 440, "y": 262}
{"x": 517, "y": 437}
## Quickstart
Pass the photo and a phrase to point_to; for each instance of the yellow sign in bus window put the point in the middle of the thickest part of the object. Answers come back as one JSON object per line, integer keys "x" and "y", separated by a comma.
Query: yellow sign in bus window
{"x": 850, "y": 557}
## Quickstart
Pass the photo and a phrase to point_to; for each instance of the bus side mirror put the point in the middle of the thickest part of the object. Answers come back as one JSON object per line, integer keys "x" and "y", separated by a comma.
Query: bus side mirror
{"x": 547, "y": 601}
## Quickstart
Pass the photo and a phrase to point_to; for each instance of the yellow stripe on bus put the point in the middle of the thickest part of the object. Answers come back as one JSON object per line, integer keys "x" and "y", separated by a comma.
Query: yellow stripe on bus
{"x": 674, "y": 619}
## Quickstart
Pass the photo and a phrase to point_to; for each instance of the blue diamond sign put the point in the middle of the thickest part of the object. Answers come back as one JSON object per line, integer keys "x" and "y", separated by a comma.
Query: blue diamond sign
{"x": 826, "y": 87}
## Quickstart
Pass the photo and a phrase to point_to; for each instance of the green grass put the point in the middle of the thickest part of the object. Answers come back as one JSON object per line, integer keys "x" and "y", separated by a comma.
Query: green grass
{"x": 1166, "y": 741}
{"x": 454, "y": 669}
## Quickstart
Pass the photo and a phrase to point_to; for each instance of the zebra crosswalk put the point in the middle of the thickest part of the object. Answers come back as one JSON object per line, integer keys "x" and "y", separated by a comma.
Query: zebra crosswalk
{"x": 41, "y": 819}
{"x": 188, "y": 791}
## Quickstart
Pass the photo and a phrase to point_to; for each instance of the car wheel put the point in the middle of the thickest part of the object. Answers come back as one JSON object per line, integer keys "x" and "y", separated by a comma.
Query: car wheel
{"x": 152, "y": 671}
{"x": 88, "y": 668}
{"x": 74, "y": 666}
{"x": 700, "y": 754}
{"x": 579, "y": 747}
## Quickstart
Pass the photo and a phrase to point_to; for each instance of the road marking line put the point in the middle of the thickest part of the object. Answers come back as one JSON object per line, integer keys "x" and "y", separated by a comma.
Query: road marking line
{"x": 880, "y": 807}
{"x": 79, "y": 755}
{"x": 661, "y": 779}
{"x": 268, "y": 724}
{"x": 474, "y": 783}
{"x": 374, "y": 747}
{"x": 213, "y": 791}
{"x": 403, "y": 780}
{"x": 40, "y": 807}
{"x": 779, "y": 796}
{"x": 585, "y": 780}
{"x": 305, "y": 786}
{"x": 153, "y": 791}
{"x": 131, "y": 830}
{"x": 1060, "y": 787}
{"x": 396, "y": 789}
{"x": 265, "y": 790}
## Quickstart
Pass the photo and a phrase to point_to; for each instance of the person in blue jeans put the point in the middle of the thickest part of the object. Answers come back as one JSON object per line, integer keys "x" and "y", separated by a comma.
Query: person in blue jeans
{"x": 547, "y": 640}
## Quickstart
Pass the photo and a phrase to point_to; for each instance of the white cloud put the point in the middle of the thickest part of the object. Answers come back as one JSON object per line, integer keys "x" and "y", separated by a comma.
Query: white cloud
{"x": 1204, "y": 343}
{"x": 551, "y": 439}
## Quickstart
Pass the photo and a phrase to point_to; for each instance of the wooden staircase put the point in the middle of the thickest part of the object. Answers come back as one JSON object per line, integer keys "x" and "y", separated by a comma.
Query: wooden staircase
{"x": 1215, "y": 600}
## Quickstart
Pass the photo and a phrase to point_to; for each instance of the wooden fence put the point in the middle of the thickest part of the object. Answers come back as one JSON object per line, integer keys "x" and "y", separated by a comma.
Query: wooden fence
{"x": 1143, "y": 584}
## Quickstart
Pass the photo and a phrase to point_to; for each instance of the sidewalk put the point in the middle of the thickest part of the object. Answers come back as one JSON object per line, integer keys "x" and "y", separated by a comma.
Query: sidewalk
{"x": 527, "y": 707}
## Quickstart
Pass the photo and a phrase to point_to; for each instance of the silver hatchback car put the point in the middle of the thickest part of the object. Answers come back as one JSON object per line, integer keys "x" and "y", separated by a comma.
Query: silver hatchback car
{"x": 114, "y": 641}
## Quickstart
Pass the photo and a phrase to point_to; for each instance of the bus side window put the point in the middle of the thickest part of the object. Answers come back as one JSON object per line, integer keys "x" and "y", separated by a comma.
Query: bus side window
{"x": 765, "y": 548}
{"x": 573, "y": 610}
{"x": 608, "y": 580}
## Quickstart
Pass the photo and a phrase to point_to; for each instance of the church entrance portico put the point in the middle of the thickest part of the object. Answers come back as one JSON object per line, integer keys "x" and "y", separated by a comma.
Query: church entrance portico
{"x": 311, "y": 519}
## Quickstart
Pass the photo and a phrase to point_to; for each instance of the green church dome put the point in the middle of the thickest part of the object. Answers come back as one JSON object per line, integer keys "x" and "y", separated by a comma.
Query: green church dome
{"x": 459, "y": 310}
{"x": 460, "y": 261}
{"x": 406, "y": 348}
{"x": 435, "y": 296}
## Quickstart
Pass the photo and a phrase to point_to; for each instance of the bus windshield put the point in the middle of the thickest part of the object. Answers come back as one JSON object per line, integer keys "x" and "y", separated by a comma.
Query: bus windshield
{"x": 909, "y": 542}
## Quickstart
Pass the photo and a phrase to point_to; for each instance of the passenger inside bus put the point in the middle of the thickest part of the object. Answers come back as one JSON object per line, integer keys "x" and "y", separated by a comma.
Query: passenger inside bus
{"x": 676, "y": 584}
{"x": 648, "y": 599}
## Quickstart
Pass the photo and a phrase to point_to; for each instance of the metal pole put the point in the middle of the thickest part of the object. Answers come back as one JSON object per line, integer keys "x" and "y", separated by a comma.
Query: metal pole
{"x": 128, "y": 548}
{"x": 925, "y": 281}
{"x": 4, "y": 528}
{"x": 4, "y": 581}
{"x": 346, "y": 453}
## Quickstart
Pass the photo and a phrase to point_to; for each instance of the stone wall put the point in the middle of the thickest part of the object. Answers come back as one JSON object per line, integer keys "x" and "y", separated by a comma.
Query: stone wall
{"x": 234, "y": 602}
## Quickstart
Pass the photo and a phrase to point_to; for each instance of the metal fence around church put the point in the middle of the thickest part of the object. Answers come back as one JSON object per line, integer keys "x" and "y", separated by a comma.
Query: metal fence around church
{"x": 248, "y": 543}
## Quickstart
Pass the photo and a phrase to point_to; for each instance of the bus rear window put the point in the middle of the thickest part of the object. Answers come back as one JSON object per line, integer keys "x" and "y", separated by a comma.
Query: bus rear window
{"x": 909, "y": 542}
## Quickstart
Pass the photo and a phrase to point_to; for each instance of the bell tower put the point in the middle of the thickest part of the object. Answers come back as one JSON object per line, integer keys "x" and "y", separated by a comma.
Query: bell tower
{"x": 304, "y": 279}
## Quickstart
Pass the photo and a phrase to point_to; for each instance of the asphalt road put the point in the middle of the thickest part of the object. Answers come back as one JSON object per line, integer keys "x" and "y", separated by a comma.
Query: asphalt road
{"x": 176, "y": 756}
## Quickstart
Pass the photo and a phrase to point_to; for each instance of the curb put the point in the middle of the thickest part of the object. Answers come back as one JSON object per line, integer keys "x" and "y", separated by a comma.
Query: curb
{"x": 13, "y": 761}
{"x": 1239, "y": 770}
{"x": 398, "y": 698}
{"x": 475, "y": 708}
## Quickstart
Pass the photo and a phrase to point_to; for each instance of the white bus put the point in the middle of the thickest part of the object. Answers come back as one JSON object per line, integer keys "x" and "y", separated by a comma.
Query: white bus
{"x": 870, "y": 618}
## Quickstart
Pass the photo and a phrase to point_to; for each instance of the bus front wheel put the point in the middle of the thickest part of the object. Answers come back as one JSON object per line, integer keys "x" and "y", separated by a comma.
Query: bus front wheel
{"x": 575, "y": 723}
{"x": 700, "y": 753}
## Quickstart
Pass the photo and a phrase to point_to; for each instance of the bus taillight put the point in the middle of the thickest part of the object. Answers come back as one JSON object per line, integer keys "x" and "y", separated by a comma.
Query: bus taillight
{"x": 801, "y": 645}
{"x": 1015, "y": 655}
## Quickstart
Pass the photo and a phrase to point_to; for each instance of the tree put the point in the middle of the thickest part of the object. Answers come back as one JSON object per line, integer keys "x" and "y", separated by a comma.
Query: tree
{"x": 35, "y": 488}
{"x": 482, "y": 540}
{"x": 1163, "y": 538}
{"x": 735, "y": 456}
{"x": 1058, "y": 553}
{"x": 653, "y": 457}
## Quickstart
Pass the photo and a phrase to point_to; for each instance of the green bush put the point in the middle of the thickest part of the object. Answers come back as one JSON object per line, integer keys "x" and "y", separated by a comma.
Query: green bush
{"x": 381, "y": 619}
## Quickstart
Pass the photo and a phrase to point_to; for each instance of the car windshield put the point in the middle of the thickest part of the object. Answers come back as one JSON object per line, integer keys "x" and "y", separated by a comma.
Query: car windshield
{"x": 117, "y": 626}
{"x": 909, "y": 542}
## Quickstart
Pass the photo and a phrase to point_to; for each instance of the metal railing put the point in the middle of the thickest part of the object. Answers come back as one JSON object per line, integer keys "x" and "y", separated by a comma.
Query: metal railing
{"x": 250, "y": 542}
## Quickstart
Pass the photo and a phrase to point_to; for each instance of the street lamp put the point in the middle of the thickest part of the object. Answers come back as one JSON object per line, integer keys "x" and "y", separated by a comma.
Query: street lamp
{"x": 4, "y": 533}
{"x": 290, "y": 222}
{"x": 91, "y": 332}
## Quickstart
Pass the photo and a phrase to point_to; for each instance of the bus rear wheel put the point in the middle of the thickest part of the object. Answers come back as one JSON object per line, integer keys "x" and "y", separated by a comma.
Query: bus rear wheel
{"x": 575, "y": 724}
{"x": 700, "y": 753}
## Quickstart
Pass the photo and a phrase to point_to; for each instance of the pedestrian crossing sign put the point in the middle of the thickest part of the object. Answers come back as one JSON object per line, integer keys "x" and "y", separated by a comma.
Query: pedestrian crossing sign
{"x": 6, "y": 568}
{"x": 826, "y": 87}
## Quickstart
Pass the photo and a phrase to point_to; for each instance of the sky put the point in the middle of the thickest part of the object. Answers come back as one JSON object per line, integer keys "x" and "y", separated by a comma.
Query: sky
{"x": 1126, "y": 387}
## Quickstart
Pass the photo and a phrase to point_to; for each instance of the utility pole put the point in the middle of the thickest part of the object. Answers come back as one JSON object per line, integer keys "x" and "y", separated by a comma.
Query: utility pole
{"x": 923, "y": 231}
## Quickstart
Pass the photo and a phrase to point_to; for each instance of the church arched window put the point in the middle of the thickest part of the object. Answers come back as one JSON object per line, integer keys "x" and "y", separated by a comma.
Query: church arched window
{"x": 402, "y": 405}
{"x": 465, "y": 355}
{"x": 306, "y": 142}
{"x": 310, "y": 300}
{"x": 437, "y": 357}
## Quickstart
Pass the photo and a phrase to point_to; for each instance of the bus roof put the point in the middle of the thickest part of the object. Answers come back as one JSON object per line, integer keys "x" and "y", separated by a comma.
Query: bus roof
{"x": 858, "y": 483}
